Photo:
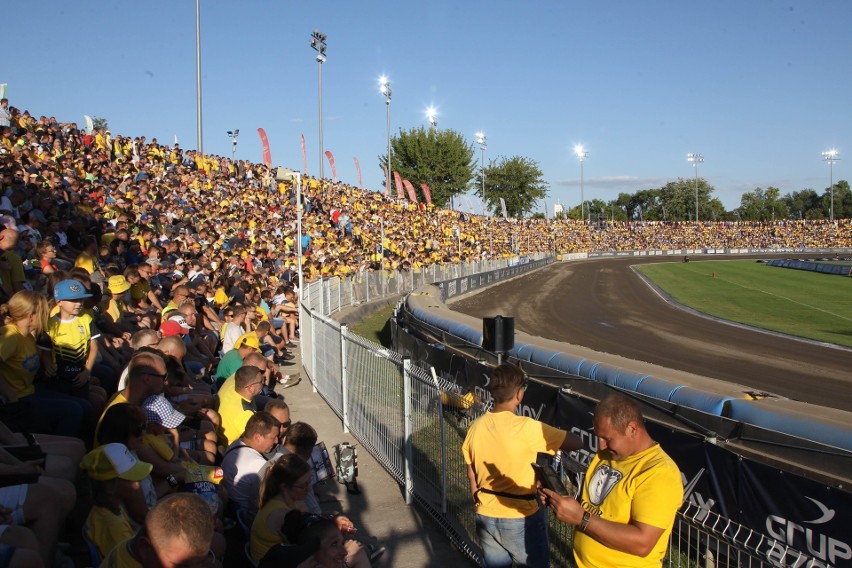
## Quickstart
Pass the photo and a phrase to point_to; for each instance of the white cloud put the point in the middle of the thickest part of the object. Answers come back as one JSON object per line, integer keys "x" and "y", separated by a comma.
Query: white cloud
{"x": 616, "y": 183}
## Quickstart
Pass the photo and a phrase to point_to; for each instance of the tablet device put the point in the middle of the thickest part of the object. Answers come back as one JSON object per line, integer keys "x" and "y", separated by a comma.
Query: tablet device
{"x": 549, "y": 479}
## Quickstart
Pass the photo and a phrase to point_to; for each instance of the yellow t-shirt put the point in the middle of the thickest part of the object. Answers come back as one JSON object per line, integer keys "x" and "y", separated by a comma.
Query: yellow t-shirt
{"x": 19, "y": 360}
{"x": 501, "y": 446}
{"x": 646, "y": 488}
{"x": 71, "y": 341}
{"x": 86, "y": 261}
{"x": 107, "y": 529}
{"x": 235, "y": 411}
{"x": 262, "y": 539}
{"x": 121, "y": 557}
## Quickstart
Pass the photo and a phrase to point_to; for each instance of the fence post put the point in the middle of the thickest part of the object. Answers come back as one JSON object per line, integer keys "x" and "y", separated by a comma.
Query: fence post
{"x": 339, "y": 294}
{"x": 406, "y": 395}
{"x": 344, "y": 376}
{"x": 314, "y": 345}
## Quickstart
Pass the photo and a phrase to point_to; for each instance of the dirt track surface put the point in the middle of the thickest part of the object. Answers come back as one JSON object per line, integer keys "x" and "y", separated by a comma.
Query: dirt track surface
{"x": 605, "y": 306}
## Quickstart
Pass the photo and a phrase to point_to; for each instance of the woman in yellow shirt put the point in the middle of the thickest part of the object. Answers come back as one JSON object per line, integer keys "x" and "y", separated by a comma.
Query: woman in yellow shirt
{"x": 285, "y": 486}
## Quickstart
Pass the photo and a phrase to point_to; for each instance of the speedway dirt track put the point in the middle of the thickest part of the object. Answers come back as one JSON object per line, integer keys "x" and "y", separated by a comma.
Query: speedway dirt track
{"x": 603, "y": 305}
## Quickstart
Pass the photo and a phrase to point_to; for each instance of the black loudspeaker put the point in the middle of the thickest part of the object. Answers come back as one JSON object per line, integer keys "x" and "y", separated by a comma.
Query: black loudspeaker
{"x": 498, "y": 334}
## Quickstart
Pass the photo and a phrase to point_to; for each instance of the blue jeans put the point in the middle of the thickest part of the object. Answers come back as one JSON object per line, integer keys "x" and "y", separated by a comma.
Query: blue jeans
{"x": 523, "y": 541}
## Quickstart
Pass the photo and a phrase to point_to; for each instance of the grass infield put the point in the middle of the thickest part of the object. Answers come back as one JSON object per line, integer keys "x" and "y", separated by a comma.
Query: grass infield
{"x": 796, "y": 302}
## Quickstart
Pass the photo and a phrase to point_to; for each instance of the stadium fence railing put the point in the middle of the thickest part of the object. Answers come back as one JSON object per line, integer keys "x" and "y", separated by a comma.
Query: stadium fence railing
{"x": 400, "y": 414}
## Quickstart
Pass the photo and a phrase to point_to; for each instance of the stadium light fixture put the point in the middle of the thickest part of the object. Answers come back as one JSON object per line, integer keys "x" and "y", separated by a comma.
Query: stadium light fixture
{"x": 385, "y": 89}
{"x": 318, "y": 44}
{"x": 695, "y": 159}
{"x": 581, "y": 153}
{"x": 432, "y": 116}
{"x": 831, "y": 156}
{"x": 233, "y": 134}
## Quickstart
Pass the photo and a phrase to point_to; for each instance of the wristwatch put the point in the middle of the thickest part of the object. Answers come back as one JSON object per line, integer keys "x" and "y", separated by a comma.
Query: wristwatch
{"x": 173, "y": 482}
{"x": 587, "y": 516}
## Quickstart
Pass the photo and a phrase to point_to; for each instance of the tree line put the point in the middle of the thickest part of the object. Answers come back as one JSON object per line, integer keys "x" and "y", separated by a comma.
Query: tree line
{"x": 446, "y": 162}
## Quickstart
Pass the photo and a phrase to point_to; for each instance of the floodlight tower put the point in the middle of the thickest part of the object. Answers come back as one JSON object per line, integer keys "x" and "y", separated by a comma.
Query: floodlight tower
{"x": 481, "y": 140}
{"x": 831, "y": 156}
{"x": 582, "y": 154}
{"x": 318, "y": 43}
{"x": 695, "y": 159}
{"x": 385, "y": 89}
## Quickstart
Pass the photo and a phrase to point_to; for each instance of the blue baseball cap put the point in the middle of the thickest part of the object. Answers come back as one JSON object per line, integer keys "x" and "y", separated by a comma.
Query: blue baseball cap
{"x": 69, "y": 290}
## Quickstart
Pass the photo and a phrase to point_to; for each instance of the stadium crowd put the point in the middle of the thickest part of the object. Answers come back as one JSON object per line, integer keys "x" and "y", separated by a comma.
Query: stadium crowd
{"x": 150, "y": 299}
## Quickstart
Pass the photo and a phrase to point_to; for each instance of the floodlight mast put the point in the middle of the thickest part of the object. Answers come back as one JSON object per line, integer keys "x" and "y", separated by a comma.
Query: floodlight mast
{"x": 482, "y": 141}
{"x": 385, "y": 89}
{"x": 318, "y": 44}
{"x": 695, "y": 159}
{"x": 581, "y": 153}
{"x": 831, "y": 156}
{"x": 285, "y": 174}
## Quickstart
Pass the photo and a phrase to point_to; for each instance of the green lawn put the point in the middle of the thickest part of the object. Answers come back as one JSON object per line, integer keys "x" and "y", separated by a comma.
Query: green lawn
{"x": 796, "y": 302}
{"x": 376, "y": 326}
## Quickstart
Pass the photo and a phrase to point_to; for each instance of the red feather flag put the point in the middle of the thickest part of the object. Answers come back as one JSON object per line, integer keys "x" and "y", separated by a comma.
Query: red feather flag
{"x": 267, "y": 154}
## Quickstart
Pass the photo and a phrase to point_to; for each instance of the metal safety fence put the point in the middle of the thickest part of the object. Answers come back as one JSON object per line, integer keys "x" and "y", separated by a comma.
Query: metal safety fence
{"x": 329, "y": 295}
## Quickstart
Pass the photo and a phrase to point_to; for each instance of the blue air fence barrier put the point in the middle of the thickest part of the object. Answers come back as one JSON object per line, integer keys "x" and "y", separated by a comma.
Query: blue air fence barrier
{"x": 822, "y": 267}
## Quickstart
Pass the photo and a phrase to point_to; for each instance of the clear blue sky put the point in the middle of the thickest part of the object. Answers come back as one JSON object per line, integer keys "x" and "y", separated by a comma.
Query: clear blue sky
{"x": 759, "y": 87}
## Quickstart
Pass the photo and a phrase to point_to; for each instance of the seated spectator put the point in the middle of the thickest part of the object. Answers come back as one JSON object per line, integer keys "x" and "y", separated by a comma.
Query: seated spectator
{"x": 42, "y": 507}
{"x": 281, "y": 411}
{"x": 234, "y": 327}
{"x": 19, "y": 547}
{"x": 334, "y": 550}
{"x": 62, "y": 454}
{"x": 112, "y": 470}
{"x": 237, "y": 406}
{"x": 178, "y": 531}
{"x": 233, "y": 360}
{"x": 284, "y": 488}
{"x": 244, "y": 458}
{"x": 30, "y": 408}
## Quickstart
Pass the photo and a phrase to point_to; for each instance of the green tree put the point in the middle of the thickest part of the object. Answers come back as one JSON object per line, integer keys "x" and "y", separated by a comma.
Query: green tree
{"x": 517, "y": 180}
{"x": 99, "y": 122}
{"x": 677, "y": 199}
{"x": 842, "y": 201}
{"x": 803, "y": 204}
{"x": 760, "y": 205}
{"x": 442, "y": 159}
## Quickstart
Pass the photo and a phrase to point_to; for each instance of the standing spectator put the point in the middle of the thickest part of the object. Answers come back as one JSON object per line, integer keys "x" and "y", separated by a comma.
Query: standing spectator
{"x": 72, "y": 337}
{"x": 498, "y": 451}
{"x": 631, "y": 493}
{"x": 5, "y": 115}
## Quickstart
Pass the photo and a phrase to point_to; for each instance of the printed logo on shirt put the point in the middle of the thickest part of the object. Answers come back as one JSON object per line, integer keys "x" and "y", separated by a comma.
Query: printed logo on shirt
{"x": 603, "y": 480}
